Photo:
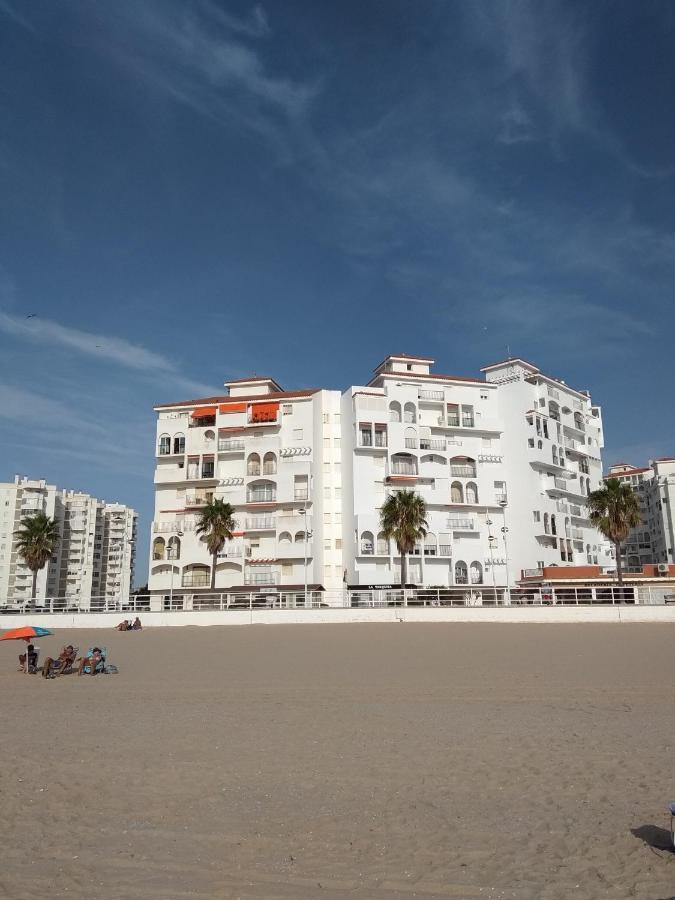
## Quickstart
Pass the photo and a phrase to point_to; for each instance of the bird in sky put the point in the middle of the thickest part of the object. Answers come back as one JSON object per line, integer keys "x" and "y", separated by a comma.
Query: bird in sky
{"x": 31, "y": 316}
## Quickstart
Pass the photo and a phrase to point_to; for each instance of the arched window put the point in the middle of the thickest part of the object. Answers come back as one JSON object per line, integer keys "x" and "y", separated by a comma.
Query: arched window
{"x": 554, "y": 452}
{"x": 545, "y": 427}
{"x": 539, "y": 445}
{"x": 471, "y": 492}
{"x": 403, "y": 464}
{"x": 269, "y": 464}
{"x": 164, "y": 445}
{"x": 463, "y": 467}
{"x": 567, "y": 526}
{"x": 382, "y": 545}
{"x": 285, "y": 537}
{"x": 394, "y": 411}
{"x": 179, "y": 443}
{"x": 261, "y": 492}
{"x": 476, "y": 573}
{"x": 430, "y": 548}
{"x": 554, "y": 410}
{"x": 299, "y": 537}
{"x": 158, "y": 547}
{"x": 366, "y": 543}
{"x": 411, "y": 438}
{"x": 579, "y": 421}
{"x": 588, "y": 485}
{"x": 456, "y": 492}
{"x": 547, "y": 529}
{"x": 409, "y": 414}
{"x": 553, "y": 525}
{"x": 461, "y": 573}
{"x": 253, "y": 465}
{"x": 173, "y": 548}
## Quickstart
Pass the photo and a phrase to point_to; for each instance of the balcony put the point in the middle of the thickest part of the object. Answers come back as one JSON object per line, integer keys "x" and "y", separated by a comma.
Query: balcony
{"x": 462, "y": 524}
{"x": 192, "y": 500}
{"x": 366, "y": 442}
{"x": 259, "y": 523}
{"x": 445, "y": 549}
{"x": 462, "y": 471}
{"x": 195, "y": 579}
{"x": 424, "y": 394}
{"x": 576, "y": 534}
{"x": 261, "y": 418}
{"x": 552, "y": 392}
{"x": 227, "y": 445}
{"x": 264, "y": 496}
{"x": 236, "y": 550}
{"x": 433, "y": 444}
{"x": 251, "y": 577}
{"x": 411, "y": 443}
{"x": 300, "y": 494}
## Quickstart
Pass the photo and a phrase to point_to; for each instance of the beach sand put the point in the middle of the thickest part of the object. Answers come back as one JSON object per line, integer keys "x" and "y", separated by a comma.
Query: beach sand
{"x": 344, "y": 761}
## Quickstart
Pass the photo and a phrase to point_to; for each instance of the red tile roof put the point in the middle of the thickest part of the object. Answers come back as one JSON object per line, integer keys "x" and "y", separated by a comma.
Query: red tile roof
{"x": 624, "y": 474}
{"x": 423, "y": 376}
{"x": 279, "y": 395}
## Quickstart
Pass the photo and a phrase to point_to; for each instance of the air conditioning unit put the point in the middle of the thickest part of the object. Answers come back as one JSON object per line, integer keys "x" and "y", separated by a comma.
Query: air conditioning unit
{"x": 662, "y": 568}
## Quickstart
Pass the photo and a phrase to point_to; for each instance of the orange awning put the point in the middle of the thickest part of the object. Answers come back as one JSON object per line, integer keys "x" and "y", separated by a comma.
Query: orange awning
{"x": 203, "y": 411}
{"x": 232, "y": 407}
{"x": 264, "y": 412}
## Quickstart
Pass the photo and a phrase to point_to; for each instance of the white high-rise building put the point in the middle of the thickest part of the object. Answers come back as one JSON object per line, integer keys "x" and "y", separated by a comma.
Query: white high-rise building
{"x": 94, "y": 558}
{"x": 653, "y": 541}
{"x": 504, "y": 464}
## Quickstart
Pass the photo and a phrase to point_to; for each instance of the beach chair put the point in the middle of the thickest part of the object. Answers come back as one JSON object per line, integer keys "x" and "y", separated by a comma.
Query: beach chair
{"x": 100, "y": 666}
{"x": 68, "y": 667}
{"x": 33, "y": 666}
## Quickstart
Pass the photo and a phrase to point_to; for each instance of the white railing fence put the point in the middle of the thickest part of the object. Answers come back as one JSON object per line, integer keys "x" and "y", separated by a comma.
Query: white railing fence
{"x": 478, "y": 595}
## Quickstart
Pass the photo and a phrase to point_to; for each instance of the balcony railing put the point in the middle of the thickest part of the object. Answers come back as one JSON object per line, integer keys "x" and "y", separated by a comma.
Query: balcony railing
{"x": 502, "y": 499}
{"x": 411, "y": 443}
{"x": 261, "y": 497}
{"x": 403, "y": 469}
{"x": 430, "y": 395}
{"x": 432, "y": 444}
{"x": 191, "y": 500}
{"x": 445, "y": 549}
{"x": 453, "y": 421}
{"x": 228, "y": 445}
{"x": 576, "y": 534}
{"x": 269, "y": 469}
{"x": 208, "y": 472}
{"x": 553, "y": 393}
{"x": 462, "y": 524}
{"x": 261, "y": 577}
{"x": 367, "y": 549}
{"x": 196, "y": 579}
{"x": 231, "y": 552}
{"x": 300, "y": 493}
{"x": 463, "y": 471}
{"x": 263, "y": 419}
{"x": 259, "y": 523}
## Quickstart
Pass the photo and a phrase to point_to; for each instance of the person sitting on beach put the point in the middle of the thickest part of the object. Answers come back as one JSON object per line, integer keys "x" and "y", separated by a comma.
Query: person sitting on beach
{"x": 94, "y": 660}
{"x": 32, "y": 658}
{"x": 137, "y": 624}
{"x": 123, "y": 626}
{"x": 54, "y": 667}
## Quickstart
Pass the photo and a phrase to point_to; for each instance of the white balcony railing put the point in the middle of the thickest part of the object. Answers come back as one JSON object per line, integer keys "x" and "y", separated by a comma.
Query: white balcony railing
{"x": 462, "y": 524}
{"x": 432, "y": 444}
{"x": 257, "y": 577}
{"x": 424, "y": 394}
{"x": 300, "y": 493}
{"x": 259, "y": 523}
{"x": 463, "y": 471}
{"x": 266, "y": 496}
{"x": 227, "y": 445}
{"x": 403, "y": 469}
{"x": 411, "y": 443}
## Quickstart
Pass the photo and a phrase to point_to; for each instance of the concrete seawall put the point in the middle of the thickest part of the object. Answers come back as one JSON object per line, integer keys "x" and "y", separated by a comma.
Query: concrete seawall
{"x": 506, "y": 615}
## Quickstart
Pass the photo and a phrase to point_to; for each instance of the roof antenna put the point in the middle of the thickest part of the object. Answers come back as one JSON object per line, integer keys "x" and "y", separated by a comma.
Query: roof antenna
{"x": 508, "y": 352}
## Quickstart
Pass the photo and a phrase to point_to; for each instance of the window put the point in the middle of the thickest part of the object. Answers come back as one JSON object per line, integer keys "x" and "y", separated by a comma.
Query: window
{"x": 394, "y": 411}
{"x": 326, "y": 468}
{"x": 326, "y": 443}
{"x": 326, "y": 543}
{"x": 338, "y": 543}
{"x": 326, "y": 418}
{"x": 164, "y": 445}
{"x": 336, "y": 442}
{"x": 297, "y": 434}
{"x": 326, "y": 518}
{"x": 483, "y": 395}
{"x": 179, "y": 443}
{"x": 287, "y": 409}
{"x": 537, "y": 515}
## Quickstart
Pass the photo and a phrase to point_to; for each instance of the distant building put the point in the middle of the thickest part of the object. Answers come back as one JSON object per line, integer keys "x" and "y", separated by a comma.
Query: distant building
{"x": 94, "y": 557}
{"x": 653, "y": 541}
{"x": 516, "y": 450}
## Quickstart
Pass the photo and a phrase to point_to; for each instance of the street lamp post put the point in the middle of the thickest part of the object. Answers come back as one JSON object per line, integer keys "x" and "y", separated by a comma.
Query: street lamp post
{"x": 503, "y": 503}
{"x": 124, "y": 556}
{"x": 303, "y": 512}
{"x": 171, "y": 555}
{"x": 491, "y": 542}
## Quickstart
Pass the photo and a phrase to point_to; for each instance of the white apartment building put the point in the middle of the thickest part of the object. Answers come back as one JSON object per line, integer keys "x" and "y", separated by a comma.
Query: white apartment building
{"x": 94, "y": 558}
{"x": 653, "y": 541}
{"x": 504, "y": 464}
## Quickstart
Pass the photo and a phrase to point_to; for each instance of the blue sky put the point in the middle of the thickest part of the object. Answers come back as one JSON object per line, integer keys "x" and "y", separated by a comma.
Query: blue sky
{"x": 199, "y": 190}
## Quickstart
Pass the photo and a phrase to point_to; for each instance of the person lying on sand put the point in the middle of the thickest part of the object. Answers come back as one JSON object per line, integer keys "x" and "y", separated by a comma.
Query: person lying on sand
{"x": 54, "y": 667}
{"x": 93, "y": 660}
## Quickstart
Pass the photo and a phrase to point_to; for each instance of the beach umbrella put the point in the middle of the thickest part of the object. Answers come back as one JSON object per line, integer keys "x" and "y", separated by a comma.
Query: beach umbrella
{"x": 26, "y": 633}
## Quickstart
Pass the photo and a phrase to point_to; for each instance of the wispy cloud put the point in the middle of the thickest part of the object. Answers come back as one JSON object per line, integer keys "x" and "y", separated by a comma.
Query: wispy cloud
{"x": 7, "y": 9}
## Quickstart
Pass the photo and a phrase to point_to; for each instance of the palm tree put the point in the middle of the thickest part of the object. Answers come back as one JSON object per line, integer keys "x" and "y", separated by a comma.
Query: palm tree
{"x": 614, "y": 510}
{"x": 403, "y": 518}
{"x": 37, "y": 538}
{"x": 216, "y": 521}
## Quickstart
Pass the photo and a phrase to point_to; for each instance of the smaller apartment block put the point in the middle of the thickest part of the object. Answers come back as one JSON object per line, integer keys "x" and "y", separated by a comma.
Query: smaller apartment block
{"x": 653, "y": 541}
{"x": 504, "y": 462}
{"x": 94, "y": 558}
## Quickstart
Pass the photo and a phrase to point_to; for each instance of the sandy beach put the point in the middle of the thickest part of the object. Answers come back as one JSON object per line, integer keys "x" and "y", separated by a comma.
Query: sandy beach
{"x": 360, "y": 761}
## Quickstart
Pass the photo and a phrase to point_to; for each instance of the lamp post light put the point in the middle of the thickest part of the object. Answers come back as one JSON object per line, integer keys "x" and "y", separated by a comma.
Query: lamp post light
{"x": 491, "y": 544}
{"x": 124, "y": 556}
{"x": 171, "y": 555}
{"x": 504, "y": 503}
{"x": 303, "y": 512}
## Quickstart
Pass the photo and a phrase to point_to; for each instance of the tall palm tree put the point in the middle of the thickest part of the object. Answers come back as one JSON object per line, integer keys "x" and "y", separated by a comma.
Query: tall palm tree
{"x": 403, "y": 518}
{"x": 614, "y": 509}
{"x": 37, "y": 537}
{"x": 216, "y": 522}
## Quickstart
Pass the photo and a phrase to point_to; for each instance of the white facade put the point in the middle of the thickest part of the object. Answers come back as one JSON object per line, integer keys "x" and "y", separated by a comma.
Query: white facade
{"x": 516, "y": 450}
{"x": 653, "y": 541}
{"x": 94, "y": 558}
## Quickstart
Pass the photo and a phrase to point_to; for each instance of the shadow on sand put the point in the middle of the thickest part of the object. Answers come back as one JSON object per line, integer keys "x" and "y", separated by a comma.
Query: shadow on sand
{"x": 658, "y": 838}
